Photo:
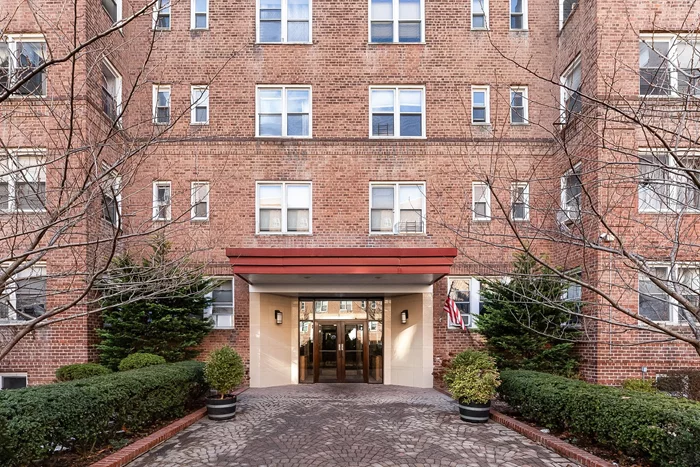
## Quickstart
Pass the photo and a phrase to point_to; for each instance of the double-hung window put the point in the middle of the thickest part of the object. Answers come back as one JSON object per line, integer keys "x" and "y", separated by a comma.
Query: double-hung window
{"x": 23, "y": 181}
{"x": 396, "y": 21}
{"x": 283, "y": 111}
{"x": 111, "y": 199}
{"x": 480, "y": 14}
{"x": 518, "y": 106}
{"x": 284, "y": 21}
{"x": 566, "y": 7}
{"x": 655, "y": 304}
{"x": 111, "y": 91}
{"x": 518, "y": 15}
{"x": 520, "y": 201}
{"x": 665, "y": 183}
{"x": 199, "y": 14}
{"x": 321, "y": 306}
{"x": 161, "y": 104}
{"x": 24, "y": 297}
{"x": 283, "y": 207}
{"x": 346, "y": 305}
{"x": 466, "y": 292}
{"x": 20, "y": 56}
{"x": 480, "y": 105}
{"x": 200, "y": 201}
{"x": 162, "y": 209}
{"x": 397, "y": 208}
{"x": 199, "y": 105}
{"x": 113, "y": 9}
{"x": 161, "y": 15}
{"x": 397, "y": 112}
{"x": 481, "y": 201}
{"x": 221, "y": 308}
{"x": 570, "y": 80}
{"x": 571, "y": 190}
{"x": 669, "y": 65}
{"x": 13, "y": 381}
{"x": 689, "y": 278}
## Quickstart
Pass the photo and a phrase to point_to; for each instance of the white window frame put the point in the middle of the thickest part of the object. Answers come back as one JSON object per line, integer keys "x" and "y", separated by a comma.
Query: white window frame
{"x": 474, "y": 302}
{"x": 565, "y": 205}
{"x": 193, "y": 14}
{"x": 193, "y": 201}
{"x": 523, "y": 90}
{"x": 565, "y": 93}
{"x": 397, "y": 111}
{"x": 283, "y": 21}
{"x": 11, "y": 40}
{"x": 156, "y": 13}
{"x": 17, "y": 173}
{"x": 209, "y": 310}
{"x": 36, "y": 270}
{"x": 485, "y": 4}
{"x": 677, "y": 182}
{"x": 563, "y": 20}
{"x": 487, "y": 103}
{"x": 487, "y": 217}
{"x": 395, "y": 22}
{"x": 284, "y": 88}
{"x": 283, "y": 185}
{"x": 672, "y": 64}
{"x": 114, "y": 186}
{"x": 526, "y": 201}
{"x": 118, "y": 90}
{"x": 118, "y": 12}
{"x": 13, "y": 375}
{"x": 156, "y": 89}
{"x": 156, "y": 205}
{"x": 524, "y": 14}
{"x": 203, "y": 101}
{"x": 674, "y": 278}
{"x": 397, "y": 209}
{"x": 345, "y": 305}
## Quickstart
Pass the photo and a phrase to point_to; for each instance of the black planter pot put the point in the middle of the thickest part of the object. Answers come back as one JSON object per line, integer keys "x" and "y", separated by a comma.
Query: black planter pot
{"x": 221, "y": 409}
{"x": 474, "y": 413}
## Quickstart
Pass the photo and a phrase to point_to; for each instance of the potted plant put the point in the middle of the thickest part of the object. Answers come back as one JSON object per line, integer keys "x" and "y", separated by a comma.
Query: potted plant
{"x": 472, "y": 380}
{"x": 223, "y": 371}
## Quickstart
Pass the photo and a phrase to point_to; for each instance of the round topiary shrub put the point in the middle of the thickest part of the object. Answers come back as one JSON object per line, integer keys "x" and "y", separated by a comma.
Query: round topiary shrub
{"x": 80, "y": 371}
{"x": 224, "y": 370}
{"x": 140, "y": 360}
{"x": 473, "y": 377}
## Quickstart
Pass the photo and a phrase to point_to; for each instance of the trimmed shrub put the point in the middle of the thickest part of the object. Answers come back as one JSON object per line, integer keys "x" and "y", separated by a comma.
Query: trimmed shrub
{"x": 86, "y": 414}
{"x": 656, "y": 426}
{"x": 224, "y": 370}
{"x": 473, "y": 377}
{"x": 640, "y": 385}
{"x": 81, "y": 371}
{"x": 684, "y": 383}
{"x": 140, "y": 360}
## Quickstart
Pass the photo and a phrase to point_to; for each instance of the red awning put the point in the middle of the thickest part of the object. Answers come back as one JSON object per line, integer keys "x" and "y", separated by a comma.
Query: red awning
{"x": 423, "y": 265}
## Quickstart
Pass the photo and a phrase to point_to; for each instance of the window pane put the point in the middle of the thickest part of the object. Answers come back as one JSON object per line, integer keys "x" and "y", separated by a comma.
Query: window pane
{"x": 480, "y": 209}
{"x": 382, "y": 9}
{"x": 478, "y": 21}
{"x": 382, "y": 125}
{"x": 298, "y": 125}
{"x": 410, "y": 101}
{"x": 200, "y": 114}
{"x": 200, "y": 6}
{"x": 275, "y": 5}
{"x": 111, "y": 7}
{"x": 270, "y": 31}
{"x": 269, "y": 196}
{"x": 163, "y": 98}
{"x": 409, "y": 9}
{"x": 200, "y": 21}
{"x": 31, "y": 296}
{"x": 412, "y": 217}
{"x": 31, "y": 196}
{"x": 298, "y": 100}
{"x": 382, "y": 32}
{"x": 652, "y": 53}
{"x": 654, "y": 308}
{"x": 411, "y": 197}
{"x": 163, "y": 115}
{"x": 383, "y": 100}
{"x": 411, "y": 125}
{"x": 298, "y": 220}
{"x": 409, "y": 32}
{"x": 30, "y": 56}
{"x": 516, "y": 6}
{"x": 383, "y": 198}
{"x": 516, "y": 115}
{"x": 200, "y": 210}
{"x": 516, "y": 22}
{"x": 479, "y": 115}
{"x": 519, "y": 211}
{"x": 477, "y": 7}
{"x": 516, "y": 99}
{"x": 297, "y": 9}
{"x": 270, "y": 125}
{"x": 270, "y": 220}
{"x": 14, "y": 382}
{"x": 298, "y": 196}
{"x": 4, "y": 195}
{"x": 223, "y": 294}
{"x": 270, "y": 101}
{"x": 479, "y": 98}
{"x": 298, "y": 31}
{"x": 382, "y": 220}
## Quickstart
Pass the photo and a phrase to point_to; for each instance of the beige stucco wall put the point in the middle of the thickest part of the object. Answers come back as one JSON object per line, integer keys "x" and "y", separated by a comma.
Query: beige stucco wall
{"x": 273, "y": 351}
{"x": 411, "y": 349}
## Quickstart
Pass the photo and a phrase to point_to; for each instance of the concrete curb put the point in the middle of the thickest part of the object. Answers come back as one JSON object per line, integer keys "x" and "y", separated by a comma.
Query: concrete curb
{"x": 143, "y": 445}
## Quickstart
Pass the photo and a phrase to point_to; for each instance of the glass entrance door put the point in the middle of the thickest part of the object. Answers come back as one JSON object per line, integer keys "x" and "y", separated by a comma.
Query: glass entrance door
{"x": 327, "y": 361}
{"x": 353, "y": 352}
{"x": 341, "y": 354}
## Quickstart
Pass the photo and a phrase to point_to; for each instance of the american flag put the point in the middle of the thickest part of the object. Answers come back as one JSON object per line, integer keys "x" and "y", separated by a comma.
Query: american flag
{"x": 453, "y": 312}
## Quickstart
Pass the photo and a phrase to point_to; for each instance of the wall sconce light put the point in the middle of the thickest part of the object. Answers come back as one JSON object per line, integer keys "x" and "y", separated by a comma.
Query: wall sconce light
{"x": 404, "y": 316}
{"x": 278, "y": 317}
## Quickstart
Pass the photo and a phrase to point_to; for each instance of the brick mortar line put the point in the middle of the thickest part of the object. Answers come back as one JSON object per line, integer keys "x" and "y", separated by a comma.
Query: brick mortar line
{"x": 143, "y": 445}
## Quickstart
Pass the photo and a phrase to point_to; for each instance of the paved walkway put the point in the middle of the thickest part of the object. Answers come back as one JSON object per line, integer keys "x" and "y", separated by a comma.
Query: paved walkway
{"x": 348, "y": 425}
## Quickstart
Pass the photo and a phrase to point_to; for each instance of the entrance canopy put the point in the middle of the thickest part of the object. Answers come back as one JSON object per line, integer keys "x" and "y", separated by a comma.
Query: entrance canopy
{"x": 350, "y": 266}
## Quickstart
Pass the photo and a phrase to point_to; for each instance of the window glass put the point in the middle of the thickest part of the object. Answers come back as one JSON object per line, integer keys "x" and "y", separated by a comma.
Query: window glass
{"x": 653, "y": 302}
{"x": 13, "y": 382}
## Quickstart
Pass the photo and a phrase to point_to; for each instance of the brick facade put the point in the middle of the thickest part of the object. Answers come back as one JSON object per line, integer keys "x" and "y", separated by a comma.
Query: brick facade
{"x": 340, "y": 160}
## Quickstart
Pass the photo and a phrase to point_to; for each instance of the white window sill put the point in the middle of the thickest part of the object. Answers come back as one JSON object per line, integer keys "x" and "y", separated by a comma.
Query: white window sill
{"x": 161, "y": 123}
{"x": 520, "y": 124}
{"x": 199, "y": 123}
{"x": 481, "y": 219}
{"x": 397, "y": 137}
{"x": 521, "y": 220}
{"x": 481, "y": 123}
{"x": 27, "y": 96}
{"x": 16, "y": 322}
{"x": 199, "y": 29}
{"x": 294, "y": 234}
{"x": 22, "y": 211}
{"x": 283, "y": 137}
{"x": 162, "y": 29}
{"x": 200, "y": 219}
{"x": 519, "y": 30}
{"x": 400, "y": 234}
{"x": 161, "y": 220}
{"x": 396, "y": 43}
{"x": 222, "y": 328}
{"x": 480, "y": 29}
{"x": 284, "y": 43}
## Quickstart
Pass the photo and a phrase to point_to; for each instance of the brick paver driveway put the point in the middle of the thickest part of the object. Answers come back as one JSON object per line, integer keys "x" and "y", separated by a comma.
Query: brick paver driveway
{"x": 347, "y": 425}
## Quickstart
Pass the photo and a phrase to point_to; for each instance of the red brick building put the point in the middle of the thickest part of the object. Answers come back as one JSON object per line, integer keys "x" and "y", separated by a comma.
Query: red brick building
{"x": 344, "y": 163}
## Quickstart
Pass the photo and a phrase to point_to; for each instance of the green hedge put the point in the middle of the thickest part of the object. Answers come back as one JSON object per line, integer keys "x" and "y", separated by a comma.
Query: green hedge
{"x": 656, "y": 426}
{"x": 81, "y": 371}
{"x": 140, "y": 360}
{"x": 86, "y": 414}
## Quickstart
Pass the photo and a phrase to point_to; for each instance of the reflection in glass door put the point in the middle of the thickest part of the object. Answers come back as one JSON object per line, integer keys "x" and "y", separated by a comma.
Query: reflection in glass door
{"x": 328, "y": 360}
{"x": 353, "y": 353}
